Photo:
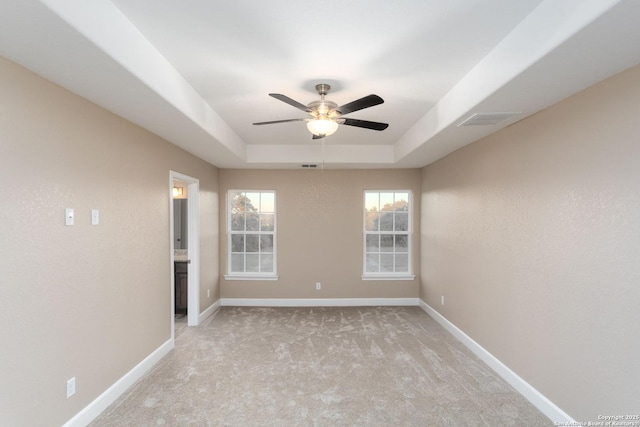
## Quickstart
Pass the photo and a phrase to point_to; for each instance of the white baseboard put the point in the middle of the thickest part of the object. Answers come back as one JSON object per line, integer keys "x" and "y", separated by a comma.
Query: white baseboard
{"x": 318, "y": 302}
{"x": 209, "y": 311}
{"x": 547, "y": 407}
{"x": 102, "y": 402}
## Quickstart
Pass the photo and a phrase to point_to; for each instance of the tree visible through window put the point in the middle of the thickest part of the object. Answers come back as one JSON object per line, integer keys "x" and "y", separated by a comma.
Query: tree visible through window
{"x": 252, "y": 232}
{"x": 387, "y": 232}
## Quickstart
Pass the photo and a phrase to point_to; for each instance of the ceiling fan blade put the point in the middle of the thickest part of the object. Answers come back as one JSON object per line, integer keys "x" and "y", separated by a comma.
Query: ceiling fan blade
{"x": 314, "y": 136}
{"x": 364, "y": 124}
{"x": 291, "y": 102}
{"x": 281, "y": 121}
{"x": 359, "y": 104}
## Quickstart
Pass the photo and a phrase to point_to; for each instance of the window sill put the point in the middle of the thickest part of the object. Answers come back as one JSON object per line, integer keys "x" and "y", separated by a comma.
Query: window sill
{"x": 382, "y": 276}
{"x": 271, "y": 277}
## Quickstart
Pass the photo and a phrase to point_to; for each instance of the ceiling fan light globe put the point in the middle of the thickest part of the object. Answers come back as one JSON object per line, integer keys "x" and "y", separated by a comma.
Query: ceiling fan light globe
{"x": 322, "y": 127}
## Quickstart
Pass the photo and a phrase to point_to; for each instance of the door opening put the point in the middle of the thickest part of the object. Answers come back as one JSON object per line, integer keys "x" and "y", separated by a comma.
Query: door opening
{"x": 184, "y": 248}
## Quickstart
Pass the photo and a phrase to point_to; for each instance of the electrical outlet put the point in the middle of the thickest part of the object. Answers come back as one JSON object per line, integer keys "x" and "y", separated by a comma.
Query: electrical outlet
{"x": 71, "y": 387}
{"x": 318, "y": 286}
{"x": 208, "y": 293}
{"x": 442, "y": 300}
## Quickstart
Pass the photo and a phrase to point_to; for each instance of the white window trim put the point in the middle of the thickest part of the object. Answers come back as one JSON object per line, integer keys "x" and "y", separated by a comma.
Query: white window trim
{"x": 251, "y": 275}
{"x": 388, "y": 276}
{"x": 367, "y": 275}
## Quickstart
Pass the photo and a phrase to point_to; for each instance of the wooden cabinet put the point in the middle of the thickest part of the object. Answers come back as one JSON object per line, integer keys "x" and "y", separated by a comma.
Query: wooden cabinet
{"x": 181, "y": 284}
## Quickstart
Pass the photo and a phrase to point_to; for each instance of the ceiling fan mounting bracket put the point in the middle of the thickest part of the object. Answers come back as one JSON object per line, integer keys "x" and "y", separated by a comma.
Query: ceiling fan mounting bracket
{"x": 323, "y": 89}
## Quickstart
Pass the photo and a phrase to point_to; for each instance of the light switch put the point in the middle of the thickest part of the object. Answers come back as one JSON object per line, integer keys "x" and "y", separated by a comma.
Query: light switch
{"x": 68, "y": 216}
{"x": 95, "y": 217}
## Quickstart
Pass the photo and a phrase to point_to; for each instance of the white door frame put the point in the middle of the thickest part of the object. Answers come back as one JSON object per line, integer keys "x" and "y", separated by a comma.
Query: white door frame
{"x": 193, "y": 248}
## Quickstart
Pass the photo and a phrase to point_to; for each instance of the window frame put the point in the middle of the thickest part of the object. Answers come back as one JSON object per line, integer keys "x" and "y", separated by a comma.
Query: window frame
{"x": 245, "y": 275}
{"x": 388, "y": 275}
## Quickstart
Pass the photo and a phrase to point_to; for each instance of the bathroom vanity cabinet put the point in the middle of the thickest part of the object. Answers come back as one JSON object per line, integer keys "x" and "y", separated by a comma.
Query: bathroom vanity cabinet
{"x": 181, "y": 290}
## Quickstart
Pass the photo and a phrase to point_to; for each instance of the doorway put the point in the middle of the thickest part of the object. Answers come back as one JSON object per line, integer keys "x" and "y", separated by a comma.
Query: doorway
{"x": 184, "y": 244}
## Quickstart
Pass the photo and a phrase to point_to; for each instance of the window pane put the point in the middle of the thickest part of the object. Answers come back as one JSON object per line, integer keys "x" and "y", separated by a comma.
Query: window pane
{"x": 253, "y": 263}
{"x": 252, "y": 221}
{"x": 402, "y": 263}
{"x": 371, "y": 203}
{"x": 266, "y": 263}
{"x": 386, "y": 201}
{"x": 266, "y": 222}
{"x": 402, "y": 221}
{"x": 268, "y": 202}
{"x": 266, "y": 243}
{"x": 372, "y": 263}
{"x": 373, "y": 243}
{"x": 386, "y": 263}
{"x": 237, "y": 221}
{"x": 252, "y": 202}
{"x": 252, "y": 242}
{"x": 402, "y": 243}
{"x": 237, "y": 243}
{"x": 386, "y": 243}
{"x": 371, "y": 221}
{"x": 386, "y": 221}
{"x": 401, "y": 202}
{"x": 237, "y": 263}
{"x": 237, "y": 201}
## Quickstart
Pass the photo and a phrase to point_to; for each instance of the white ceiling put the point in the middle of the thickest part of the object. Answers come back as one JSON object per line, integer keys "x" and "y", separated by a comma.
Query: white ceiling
{"x": 199, "y": 72}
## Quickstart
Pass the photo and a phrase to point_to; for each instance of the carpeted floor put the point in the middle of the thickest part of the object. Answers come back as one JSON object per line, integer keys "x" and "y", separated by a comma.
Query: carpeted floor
{"x": 355, "y": 366}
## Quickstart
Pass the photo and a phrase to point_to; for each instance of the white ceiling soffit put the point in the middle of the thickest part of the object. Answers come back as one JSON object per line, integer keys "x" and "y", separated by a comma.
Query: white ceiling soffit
{"x": 552, "y": 51}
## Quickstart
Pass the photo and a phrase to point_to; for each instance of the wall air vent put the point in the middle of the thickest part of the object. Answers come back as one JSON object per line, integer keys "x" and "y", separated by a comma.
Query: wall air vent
{"x": 486, "y": 119}
{"x": 310, "y": 166}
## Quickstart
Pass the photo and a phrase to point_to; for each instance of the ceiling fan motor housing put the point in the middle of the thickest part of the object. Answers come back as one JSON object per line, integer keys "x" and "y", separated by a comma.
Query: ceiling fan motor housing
{"x": 323, "y": 108}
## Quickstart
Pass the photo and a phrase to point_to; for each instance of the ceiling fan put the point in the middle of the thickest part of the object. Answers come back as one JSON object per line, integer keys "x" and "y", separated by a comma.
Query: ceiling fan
{"x": 325, "y": 115}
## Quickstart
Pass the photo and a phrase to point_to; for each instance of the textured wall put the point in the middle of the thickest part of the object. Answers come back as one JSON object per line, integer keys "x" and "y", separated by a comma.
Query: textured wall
{"x": 319, "y": 220}
{"x": 533, "y": 237}
{"x": 85, "y": 301}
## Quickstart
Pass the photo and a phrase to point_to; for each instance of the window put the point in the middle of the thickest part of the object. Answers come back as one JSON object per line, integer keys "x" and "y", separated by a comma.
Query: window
{"x": 387, "y": 235}
{"x": 251, "y": 235}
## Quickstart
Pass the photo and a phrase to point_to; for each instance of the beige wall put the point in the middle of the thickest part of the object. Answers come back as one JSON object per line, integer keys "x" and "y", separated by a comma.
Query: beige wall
{"x": 319, "y": 220}
{"x": 85, "y": 301}
{"x": 533, "y": 237}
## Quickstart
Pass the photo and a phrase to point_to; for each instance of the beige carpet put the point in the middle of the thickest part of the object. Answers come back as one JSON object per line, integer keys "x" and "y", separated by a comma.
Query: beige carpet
{"x": 360, "y": 366}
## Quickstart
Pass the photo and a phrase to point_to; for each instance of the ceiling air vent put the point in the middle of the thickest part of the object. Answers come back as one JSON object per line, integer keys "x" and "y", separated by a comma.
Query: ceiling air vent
{"x": 485, "y": 119}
